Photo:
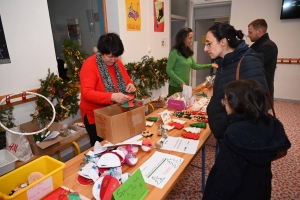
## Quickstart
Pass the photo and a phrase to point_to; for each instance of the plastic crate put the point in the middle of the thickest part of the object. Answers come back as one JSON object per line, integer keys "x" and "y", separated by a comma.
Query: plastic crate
{"x": 7, "y": 161}
{"x": 50, "y": 167}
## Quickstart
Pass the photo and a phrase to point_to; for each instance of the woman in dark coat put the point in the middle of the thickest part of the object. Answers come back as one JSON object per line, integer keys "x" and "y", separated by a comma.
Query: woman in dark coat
{"x": 251, "y": 142}
{"x": 225, "y": 44}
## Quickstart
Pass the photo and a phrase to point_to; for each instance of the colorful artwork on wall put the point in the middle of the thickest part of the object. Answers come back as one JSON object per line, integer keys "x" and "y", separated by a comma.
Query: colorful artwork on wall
{"x": 133, "y": 15}
{"x": 4, "y": 55}
{"x": 159, "y": 21}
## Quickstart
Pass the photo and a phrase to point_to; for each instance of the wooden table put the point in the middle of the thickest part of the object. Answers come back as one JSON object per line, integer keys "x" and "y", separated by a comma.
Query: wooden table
{"x": 72, "y": 166}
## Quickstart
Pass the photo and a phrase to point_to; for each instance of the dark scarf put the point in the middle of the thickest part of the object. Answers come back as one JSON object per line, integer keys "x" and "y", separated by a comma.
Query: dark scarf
{"x": 108, "y": 83}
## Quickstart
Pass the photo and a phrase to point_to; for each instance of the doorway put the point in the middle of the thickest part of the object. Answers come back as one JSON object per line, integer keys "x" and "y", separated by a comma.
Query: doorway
{"x": 205, "y": 16}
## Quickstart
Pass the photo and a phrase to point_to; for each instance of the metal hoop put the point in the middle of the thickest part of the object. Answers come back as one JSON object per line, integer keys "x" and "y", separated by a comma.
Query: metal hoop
{"x": 36, "y": 132}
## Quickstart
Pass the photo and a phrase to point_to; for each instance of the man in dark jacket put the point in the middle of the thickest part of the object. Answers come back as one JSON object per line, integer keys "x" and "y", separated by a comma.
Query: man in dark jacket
{"x": 257, "y": 32}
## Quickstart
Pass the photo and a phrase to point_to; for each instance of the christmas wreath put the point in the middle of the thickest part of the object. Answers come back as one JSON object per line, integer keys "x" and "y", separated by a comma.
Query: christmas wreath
{"x": 148, "y": 74}
{"x": 64, "y": 94}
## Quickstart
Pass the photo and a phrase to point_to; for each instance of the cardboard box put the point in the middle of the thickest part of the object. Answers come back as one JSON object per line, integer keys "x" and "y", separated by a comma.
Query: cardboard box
{"x": 42, "y": 147}
{"x": 115, "y": 125}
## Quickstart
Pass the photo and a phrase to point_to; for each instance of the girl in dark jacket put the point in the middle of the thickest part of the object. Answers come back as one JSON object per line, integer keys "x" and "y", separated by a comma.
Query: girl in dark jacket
{"x": 225, "y": 44}
{"x": 251, "y": 142}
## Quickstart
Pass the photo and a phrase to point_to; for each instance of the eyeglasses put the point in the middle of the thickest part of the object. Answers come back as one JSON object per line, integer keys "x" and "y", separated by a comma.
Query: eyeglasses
{"x": 224, "y": 101}
{"x": 207, "y": 44}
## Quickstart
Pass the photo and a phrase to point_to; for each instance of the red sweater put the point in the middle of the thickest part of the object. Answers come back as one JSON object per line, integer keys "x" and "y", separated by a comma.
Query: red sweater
{"x": 93, "y": 95}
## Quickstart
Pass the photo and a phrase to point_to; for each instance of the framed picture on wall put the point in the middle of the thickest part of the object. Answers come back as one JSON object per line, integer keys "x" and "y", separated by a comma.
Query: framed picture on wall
{"x": 4, "y": 54}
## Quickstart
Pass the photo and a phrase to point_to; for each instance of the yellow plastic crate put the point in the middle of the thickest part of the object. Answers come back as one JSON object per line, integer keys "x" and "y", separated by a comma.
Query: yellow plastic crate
{"x": 50, "y": 167}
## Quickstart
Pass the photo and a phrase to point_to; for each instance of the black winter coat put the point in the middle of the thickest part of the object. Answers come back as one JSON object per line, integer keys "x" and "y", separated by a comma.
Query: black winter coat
{"x": 269, "y": 50}
{"x": 242, "y": 170}
{"x": 251, "y": 67}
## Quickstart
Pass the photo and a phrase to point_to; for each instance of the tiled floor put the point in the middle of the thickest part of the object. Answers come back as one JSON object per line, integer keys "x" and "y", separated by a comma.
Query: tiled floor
{"x": 286, "y": 171}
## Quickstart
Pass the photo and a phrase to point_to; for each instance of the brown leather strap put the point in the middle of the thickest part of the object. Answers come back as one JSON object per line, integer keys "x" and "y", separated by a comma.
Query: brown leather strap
{"x": 237, "y": 74}
{"x": 268, "y": 96}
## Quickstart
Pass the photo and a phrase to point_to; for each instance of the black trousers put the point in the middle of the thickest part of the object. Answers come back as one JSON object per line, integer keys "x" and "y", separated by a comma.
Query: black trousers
{"x": 91, "y": 129}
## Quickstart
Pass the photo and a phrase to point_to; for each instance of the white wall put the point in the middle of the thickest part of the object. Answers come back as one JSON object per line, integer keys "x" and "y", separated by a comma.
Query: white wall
{"x": 140, "y": 43}
{"x": 285, "y": 33}
{"x": 29, "y": 40}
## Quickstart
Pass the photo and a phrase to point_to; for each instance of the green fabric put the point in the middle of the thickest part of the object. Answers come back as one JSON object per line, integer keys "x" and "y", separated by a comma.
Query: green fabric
{"x": 153, "y": 119}
{"x": 179, "y": 67}
{"x": 173, "y": 90}
{"x": 199, "y": 125}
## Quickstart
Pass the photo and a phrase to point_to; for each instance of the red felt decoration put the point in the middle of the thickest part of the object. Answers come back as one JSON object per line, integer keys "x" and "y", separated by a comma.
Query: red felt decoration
{"x": 177, "y": 125}
{"x": 191, "y": 135}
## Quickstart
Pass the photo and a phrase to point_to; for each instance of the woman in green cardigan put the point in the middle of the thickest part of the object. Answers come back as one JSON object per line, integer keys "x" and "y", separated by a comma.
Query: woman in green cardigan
{"x": 181, "y": 61}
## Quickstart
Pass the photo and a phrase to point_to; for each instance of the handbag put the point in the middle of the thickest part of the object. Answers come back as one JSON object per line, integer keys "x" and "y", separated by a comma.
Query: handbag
{"x": 18, "y": 145}
{"x": 269, "y": 103}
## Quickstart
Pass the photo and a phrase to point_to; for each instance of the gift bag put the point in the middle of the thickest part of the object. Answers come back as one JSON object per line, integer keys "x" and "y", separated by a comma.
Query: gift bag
{"x": 18, "y": 145}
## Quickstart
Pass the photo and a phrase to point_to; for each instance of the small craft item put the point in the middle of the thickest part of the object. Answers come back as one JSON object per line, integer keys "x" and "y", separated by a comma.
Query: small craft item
{"x": 159, "y": 130}
{"x": 120, "y": 154}
{"x": 108, "y": 160}
{"x": 176, "y": 125}
{"x": 192, "y": 129}
{"x": 152, "y": 119}
{"x": 167, "y": 127}
{"x": 159, "y": 144}
{"x": 178, "y": 114}
{"x": 96, "y": 188}
{"x": 123, "y": 149}
{"x": 108, "y": 186}
{"x": 34, "y": 176}
{"x": 187, "y": 116}
{"x": 199, "y": 125}
{"x": 62, "y": 193}
{"x": 128, "y": 105}
{"x": 84, "y": 181}
{"x": 80, "y": 124}
{"x": 146, "y": 145}
{"x": 19, "y": 187}
{"x": 148, "y": 123}
{"x": 147, "y": 134}
{"x": 200, "y": 120}
{"x": 132, "y": 148}
{"x": 131, "y": 159}
{"x": 85, "y": 170}
{"x": 179, "y": 121}
{"x": 193, "y": 136}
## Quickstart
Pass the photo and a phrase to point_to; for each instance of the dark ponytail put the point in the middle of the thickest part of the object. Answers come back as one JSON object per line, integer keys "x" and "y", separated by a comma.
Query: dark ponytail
{"x": 227, "y": 31}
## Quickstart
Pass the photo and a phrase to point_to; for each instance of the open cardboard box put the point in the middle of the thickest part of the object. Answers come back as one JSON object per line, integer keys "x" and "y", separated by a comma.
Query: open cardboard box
{"x": 42, "y": 147}
{"x": 115, "y": 125}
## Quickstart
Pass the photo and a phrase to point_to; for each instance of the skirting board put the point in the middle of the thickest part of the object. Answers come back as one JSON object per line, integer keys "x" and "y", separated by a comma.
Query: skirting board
{"x": 287, "y": 100}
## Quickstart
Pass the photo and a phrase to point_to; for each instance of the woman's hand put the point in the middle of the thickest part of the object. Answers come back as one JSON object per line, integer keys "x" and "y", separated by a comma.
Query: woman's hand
{"x": 182, "y": 85}
{"x": 130, "y": 88}
{"x": 119, "y": 98}
{"x": 215, "y": 65}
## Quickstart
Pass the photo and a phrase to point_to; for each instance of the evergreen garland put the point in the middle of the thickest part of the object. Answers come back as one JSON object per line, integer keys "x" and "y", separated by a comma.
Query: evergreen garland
{"x": 56, "y": 90}
{"x": 74, "y": 58}
{"x": 149, "y": 74}
{"x": 6, "y": 116}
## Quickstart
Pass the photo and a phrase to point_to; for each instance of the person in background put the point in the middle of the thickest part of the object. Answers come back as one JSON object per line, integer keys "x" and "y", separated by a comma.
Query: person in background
{"x": 251, "y": 142}
{"x": 104, "y": 81}
{"x": 181, "y": 61}
{"x": 224, "y": 44}
{"x": 257, "y": 32}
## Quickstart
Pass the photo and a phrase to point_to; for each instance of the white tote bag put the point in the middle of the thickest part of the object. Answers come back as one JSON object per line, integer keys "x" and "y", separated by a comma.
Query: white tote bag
{"x": 18, "y": 145}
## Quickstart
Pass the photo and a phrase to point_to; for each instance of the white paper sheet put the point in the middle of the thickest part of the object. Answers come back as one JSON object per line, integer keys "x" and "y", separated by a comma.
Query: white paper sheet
{"x": 52, "y": 135}
{"x": 159, "y": 168}
{"x": 180, "y": 144}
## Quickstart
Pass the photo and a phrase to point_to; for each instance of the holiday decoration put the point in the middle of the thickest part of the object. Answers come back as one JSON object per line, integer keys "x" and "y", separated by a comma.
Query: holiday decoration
{"x": 73, "y": 57}
{"x": 149, "y": 74}
{"x": 6, "y": 117}
{"x": 56, "y": 90}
